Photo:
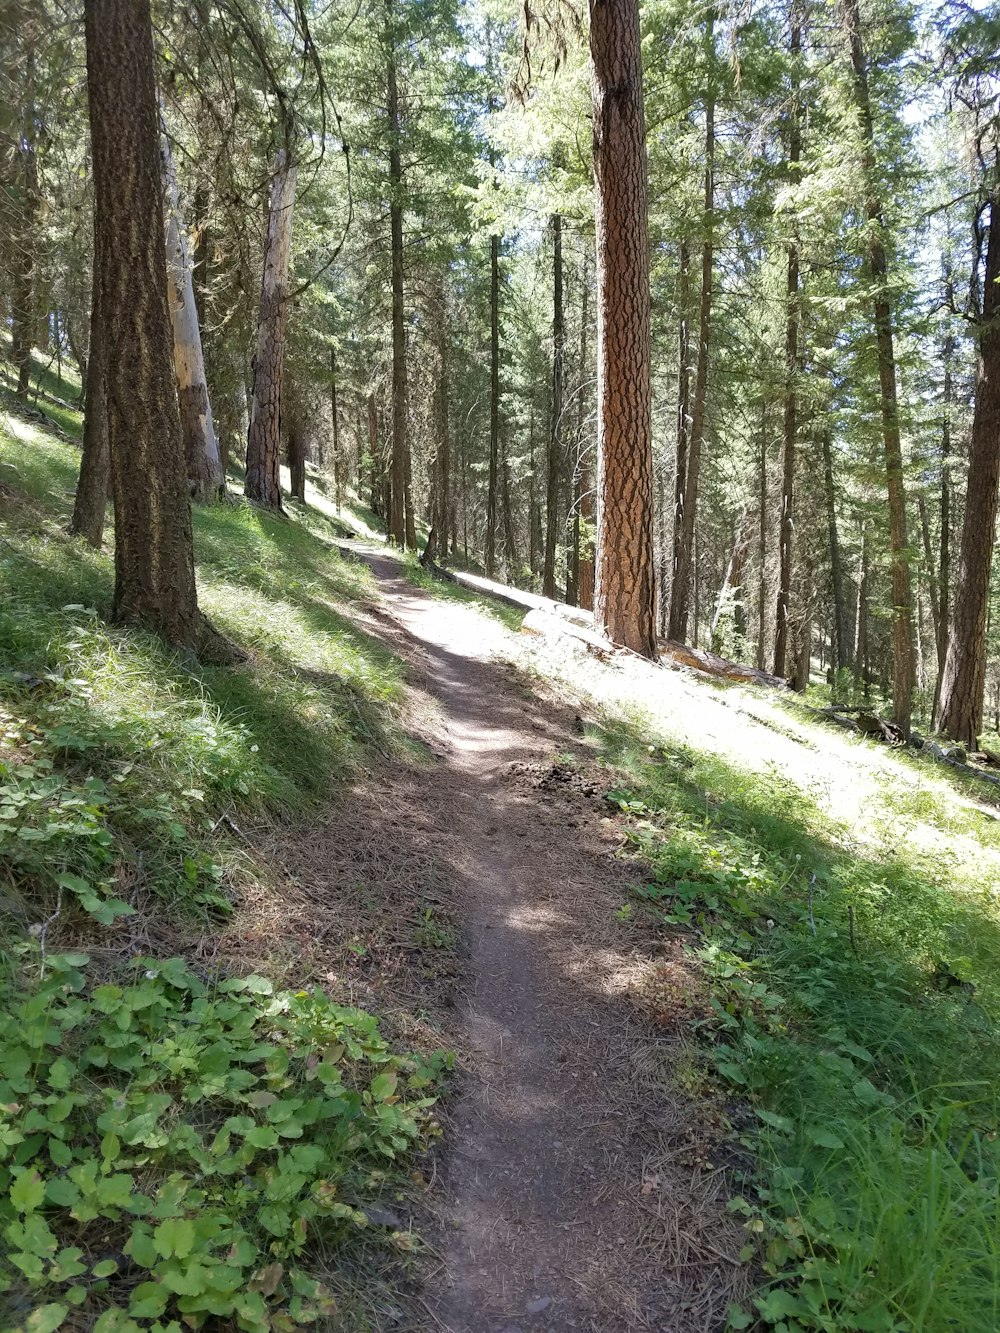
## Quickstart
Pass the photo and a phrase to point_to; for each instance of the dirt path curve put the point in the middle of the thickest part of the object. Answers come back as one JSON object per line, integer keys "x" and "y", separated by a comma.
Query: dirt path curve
{"x": 572, "y": 1197}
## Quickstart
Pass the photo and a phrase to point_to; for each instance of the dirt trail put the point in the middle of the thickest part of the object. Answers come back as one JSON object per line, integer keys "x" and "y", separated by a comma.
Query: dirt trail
{"x": 575, "y": 1196}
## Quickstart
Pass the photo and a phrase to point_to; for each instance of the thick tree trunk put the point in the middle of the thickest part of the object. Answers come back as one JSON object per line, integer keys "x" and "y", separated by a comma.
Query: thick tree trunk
{"x": 91, "y": 503}
{"x": 201, "y": 448}
{"x": 786, "y": 530}
{"x": 624, "y": 595}
{"x": 154, "y": 562}
{"x": 490, "y": 544}
{"x": 942, "y": 620}
{"x": 902, "y": 627}
{"x": 585, "y": 494}
{"x": 964, "y": 680}
{"x": 841, "y": 633}
{"x": 263, "y": 475}
{"x": 680, "y": 592}
{"x": 555, "y": 454}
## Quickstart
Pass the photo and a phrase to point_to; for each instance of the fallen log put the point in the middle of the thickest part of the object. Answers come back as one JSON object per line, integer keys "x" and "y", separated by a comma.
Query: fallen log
{"x": 710, "y": 664}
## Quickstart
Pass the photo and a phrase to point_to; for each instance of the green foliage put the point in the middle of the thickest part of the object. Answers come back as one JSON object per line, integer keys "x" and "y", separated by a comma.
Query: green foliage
{"x": 173, "y": 1149}
{"x": 118, "y": 759}
{"x": 875, "y": 1202}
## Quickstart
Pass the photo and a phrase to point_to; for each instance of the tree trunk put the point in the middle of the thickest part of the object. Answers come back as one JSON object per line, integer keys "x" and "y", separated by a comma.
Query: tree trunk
{"x": 791, "y": 372}
{"x": 201, "y": 448}
{"x": 338, "y": 462}
{"x": 397, "y": 515}
{"x": 24, "y": 295}
{"x": 91, "y": 503}
{"x": 683, "y": 426}
{"x": 841, "y": 634}
{"x": 624, "y": 595}
{"x": 731, "y": 593}
{"x": 944, "y": 565}
{"x": 263, "y": 475}
{"x": 296, "y": 457}
{"x": 490, "y": 543}
{"x": 680, "y": 591}
{"x": 762, "y": 543}
{"x": 555, "y": 453}
{"x": 584, "y": 537}
{"x": 964, "y": 680}
{"x": 375, "y": 481}
{"x": 902, "y": 629}
{"x": 154, "y": 561}
{"x": 534, "y": 513}
{"x": 442, "y": 470}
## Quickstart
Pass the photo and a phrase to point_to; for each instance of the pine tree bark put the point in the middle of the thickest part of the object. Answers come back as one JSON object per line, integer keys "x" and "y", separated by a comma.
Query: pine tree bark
{"x": 154, "y": 559}
{"x": 490, "y": 544}
{"x": 680, "y": 592}
{"x": 902, "y": 599}
{"x": 201, "y": 447}
{"x": 964, "y": 681}
{"x": 624, "y": 594}
{"x": 555, "y": 453}
{"x": 263, "y": 475}
{"x": 786, "y": 530}
{"x": 584, "y": 538}
{"x": 91, "y": 502}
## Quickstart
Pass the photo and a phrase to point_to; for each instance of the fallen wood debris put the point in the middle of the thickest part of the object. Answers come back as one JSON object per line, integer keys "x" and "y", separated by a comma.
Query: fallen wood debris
{"x": 710, "y": 664}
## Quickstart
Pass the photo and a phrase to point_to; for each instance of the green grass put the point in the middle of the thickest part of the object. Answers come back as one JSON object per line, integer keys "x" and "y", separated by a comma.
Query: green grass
{"x": 129, "y": 778}
{"x": 837, "y": 1020}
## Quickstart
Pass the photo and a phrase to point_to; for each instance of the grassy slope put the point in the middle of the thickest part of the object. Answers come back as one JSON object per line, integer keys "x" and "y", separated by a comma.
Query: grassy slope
{"x": 134, "y": 787}
{"x": 833, "y": 953}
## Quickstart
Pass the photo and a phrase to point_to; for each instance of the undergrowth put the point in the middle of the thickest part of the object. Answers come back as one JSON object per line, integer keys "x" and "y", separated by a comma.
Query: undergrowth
{"x": 856, "y": 1010}
{"x": 177, "y": 1145}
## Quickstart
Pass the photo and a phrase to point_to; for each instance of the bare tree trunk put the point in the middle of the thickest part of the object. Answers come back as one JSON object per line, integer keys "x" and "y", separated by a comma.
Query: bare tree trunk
{"x": 201, "y": 448}
{"x": 296, "y": 456}
{"x": 762, "y": 543}
{"x": 555, "y": 454}
{"x": 680, "y": 591}
{"x": 683, "y": 426}
{"x": 24, "y": 296}
{"x": 263, "y": 475}
{"x": 491, "y": 492}
{"x": 964, "y": 679}
{"x": 91, "y": 503}
{"x": 154, "y": 561}
{"x": 534, "y": 514}
{"x": 338, "y": 462}
{"x": 397, "y": 520}
{"x": 944, "y": 566}
{"x": 791, "y": 369}
{"x": 375, "y": 481}
{"x": 442, "y": 495}
{"x": 731, "y": 592}
{"x": 902, "y": 674}
{"x": 841, "y": 635}
{"x": 624, "y": 595}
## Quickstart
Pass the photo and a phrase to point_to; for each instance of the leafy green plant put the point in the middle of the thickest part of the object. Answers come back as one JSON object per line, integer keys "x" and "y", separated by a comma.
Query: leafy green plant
{"x": 173, "y": 1149}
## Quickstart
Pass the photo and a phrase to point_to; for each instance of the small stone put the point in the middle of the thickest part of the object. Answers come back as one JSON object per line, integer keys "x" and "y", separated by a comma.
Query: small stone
{"x": 381, "y": 1217}
{"x": 538, "y": 1305}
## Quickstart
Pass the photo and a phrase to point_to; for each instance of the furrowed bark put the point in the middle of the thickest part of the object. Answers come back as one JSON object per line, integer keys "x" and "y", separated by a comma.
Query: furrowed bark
{"x": 624, "y": 595}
